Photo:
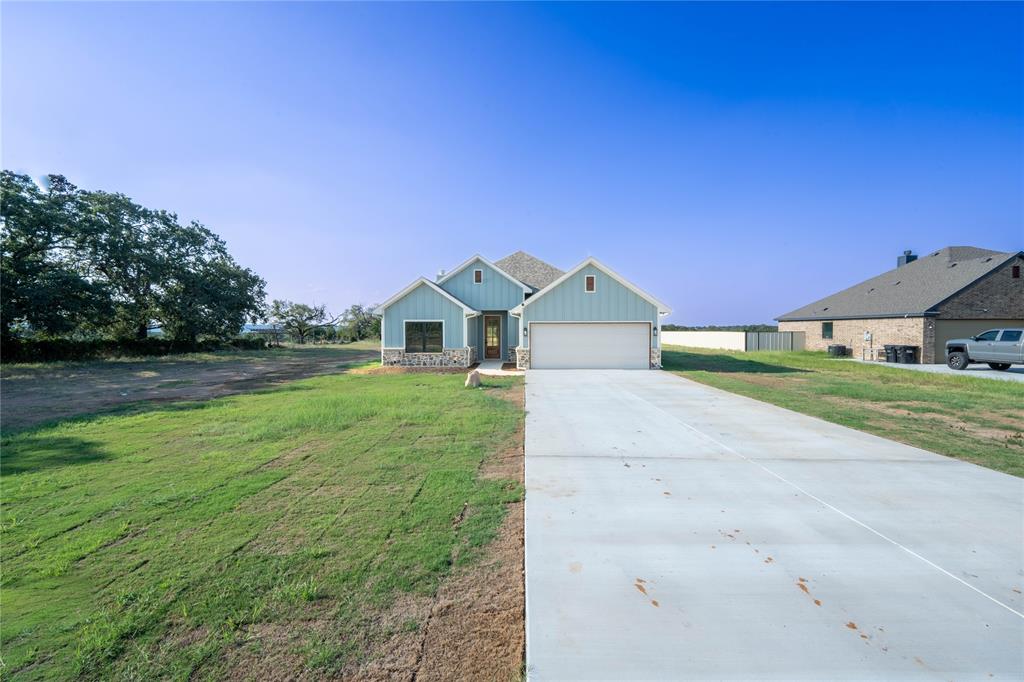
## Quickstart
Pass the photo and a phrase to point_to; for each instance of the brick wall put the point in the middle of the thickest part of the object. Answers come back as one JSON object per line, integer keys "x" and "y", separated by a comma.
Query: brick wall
{"x": 995, "y": 297}
{"x": 910, "y": 331}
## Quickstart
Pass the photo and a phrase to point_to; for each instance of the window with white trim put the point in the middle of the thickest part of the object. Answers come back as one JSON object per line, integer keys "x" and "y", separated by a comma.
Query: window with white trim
{"x": 590, "y": 284}
{"x": 424, "y": 337}
{"x": 478, "y": 276}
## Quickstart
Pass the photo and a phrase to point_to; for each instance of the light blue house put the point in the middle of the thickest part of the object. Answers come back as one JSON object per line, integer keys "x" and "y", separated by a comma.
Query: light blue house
{"x": 520, "y": 309}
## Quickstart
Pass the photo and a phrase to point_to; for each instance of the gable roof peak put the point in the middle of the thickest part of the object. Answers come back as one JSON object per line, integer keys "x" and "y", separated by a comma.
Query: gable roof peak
{"x": 478, "y": 258}
{"x": 591, "y": 261}
{"x": 959, "y": 253}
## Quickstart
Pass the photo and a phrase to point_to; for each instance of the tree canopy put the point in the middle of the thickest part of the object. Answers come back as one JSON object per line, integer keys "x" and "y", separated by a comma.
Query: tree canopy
{"x": 299, "y": 320}
{"x": 359, "y": 322}
{"x": 78, "y": 262}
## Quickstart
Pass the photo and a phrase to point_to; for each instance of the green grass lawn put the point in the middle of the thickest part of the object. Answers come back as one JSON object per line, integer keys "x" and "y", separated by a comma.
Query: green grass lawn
{"x": 150, "y": 544}
{"x": 974, "y": 419}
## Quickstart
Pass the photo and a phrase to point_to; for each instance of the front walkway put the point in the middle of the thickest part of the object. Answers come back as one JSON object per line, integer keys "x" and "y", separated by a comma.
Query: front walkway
{"x": 674, "y": 531}
{"x": 494, "y": 368}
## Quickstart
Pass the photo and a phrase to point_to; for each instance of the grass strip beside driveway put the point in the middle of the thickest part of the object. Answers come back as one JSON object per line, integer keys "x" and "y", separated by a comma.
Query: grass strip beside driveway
{"x": 974, "y": 419}
{"x": 183, "y": 541}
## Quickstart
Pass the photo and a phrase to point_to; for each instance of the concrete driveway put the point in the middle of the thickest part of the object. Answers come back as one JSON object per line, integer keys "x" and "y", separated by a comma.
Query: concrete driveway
{"x": 674, "y": 531}
{"x": 1015, "y": 373}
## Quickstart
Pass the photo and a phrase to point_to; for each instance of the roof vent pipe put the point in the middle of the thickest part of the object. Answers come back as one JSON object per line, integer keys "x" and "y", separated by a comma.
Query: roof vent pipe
{"x": 440, "y": 275}
{"x": 907, "y": 257}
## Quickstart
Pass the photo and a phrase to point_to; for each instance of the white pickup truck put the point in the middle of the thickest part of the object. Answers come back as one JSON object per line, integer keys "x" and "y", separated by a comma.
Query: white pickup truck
{"x": 1000, "y": 348}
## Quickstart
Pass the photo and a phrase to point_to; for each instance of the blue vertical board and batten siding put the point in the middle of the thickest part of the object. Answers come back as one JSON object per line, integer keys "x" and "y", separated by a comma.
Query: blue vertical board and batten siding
{"x": 511, "y": 334}
{"x": 473, "y": 332}
{"x": 496, "y": 292}
{"x": 611, "y": 302}
{"x": 423, "y": 303}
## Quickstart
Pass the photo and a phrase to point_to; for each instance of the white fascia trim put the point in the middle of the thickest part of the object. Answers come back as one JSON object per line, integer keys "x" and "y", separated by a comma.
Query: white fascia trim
{"x": 662, "y": 308}
{"x": 379, "y": 310}
{"x": 489, "y": 264}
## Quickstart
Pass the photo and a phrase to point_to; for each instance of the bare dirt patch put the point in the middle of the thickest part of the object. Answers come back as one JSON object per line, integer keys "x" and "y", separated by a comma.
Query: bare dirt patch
{"x": 39, "y": 393}
{"x": 476, "y": 627}
{"x": 270, "y": 652}
{"x": 507, "y": 463}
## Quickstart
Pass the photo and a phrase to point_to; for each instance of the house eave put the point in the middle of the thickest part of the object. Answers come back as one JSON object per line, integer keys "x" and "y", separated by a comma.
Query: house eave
{"x": 421, "y": 281}
{"x": 827, "y": 318}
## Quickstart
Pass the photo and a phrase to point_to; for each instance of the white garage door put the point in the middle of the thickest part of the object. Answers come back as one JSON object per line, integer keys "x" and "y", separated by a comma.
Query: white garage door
{"x": 590, "y": 345}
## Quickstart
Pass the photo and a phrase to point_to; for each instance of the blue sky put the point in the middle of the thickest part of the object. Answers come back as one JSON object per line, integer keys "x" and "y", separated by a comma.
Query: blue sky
{"x": 735, "y": 160}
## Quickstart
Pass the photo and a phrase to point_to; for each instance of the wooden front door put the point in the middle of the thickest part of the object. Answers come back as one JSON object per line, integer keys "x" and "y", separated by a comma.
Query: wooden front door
{"x": 492, "y": 336}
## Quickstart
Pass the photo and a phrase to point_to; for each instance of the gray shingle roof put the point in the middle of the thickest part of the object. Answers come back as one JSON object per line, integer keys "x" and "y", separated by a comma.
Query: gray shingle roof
{"x": 914, "y": 289}
{"x": 531, "y": 271}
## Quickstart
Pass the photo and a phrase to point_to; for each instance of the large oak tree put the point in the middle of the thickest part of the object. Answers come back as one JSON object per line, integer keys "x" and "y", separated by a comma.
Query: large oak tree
{"x": 96, "y": 262}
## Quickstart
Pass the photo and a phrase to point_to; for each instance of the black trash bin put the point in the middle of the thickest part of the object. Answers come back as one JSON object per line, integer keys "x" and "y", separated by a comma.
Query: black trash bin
{"x": 908, "y": 355}
{"x": 891, "y": 354}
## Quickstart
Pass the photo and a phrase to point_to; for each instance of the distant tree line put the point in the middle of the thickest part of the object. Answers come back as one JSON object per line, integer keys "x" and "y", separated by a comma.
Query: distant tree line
{"x": 303, "y": 323}
{"x": 80, "y": 264}
{"x": 725, "y": 328}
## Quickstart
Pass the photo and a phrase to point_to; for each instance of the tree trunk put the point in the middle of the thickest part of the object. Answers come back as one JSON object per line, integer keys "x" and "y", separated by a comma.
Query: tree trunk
{"x": 142, "y": 331}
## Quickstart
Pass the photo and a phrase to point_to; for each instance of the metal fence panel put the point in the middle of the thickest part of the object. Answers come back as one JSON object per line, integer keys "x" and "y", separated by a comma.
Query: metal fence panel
{"x": 774, "y": 341}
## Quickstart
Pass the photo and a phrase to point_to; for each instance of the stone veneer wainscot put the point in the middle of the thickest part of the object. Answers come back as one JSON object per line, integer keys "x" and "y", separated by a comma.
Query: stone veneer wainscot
{"x": 449, "y": 357}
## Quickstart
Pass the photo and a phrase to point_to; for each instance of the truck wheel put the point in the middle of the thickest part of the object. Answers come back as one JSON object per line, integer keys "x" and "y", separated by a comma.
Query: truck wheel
{"x": 1001, "y": 366}
{"x": 957, "y": 360}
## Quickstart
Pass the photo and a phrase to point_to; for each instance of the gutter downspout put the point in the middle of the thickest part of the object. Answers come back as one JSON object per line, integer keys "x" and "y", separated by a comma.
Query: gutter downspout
{"x": 519, "y": 316}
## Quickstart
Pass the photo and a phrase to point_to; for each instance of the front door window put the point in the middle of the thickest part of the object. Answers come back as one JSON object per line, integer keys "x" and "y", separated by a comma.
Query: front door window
{"x": 492, "y": 336}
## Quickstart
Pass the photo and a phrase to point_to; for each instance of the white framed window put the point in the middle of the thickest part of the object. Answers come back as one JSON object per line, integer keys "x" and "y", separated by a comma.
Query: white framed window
{"x": 590, "y": 284}
{"x": 478, "y": 276}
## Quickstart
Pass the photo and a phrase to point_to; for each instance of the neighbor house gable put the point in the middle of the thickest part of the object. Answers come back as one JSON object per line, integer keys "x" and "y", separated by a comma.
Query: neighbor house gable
{"x": 496, "y": 290}
{"x": 993, "y": 296}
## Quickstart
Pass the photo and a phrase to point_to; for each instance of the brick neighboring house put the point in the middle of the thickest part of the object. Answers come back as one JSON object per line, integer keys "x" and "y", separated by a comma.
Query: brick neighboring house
{"x": 954, "y": 292}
